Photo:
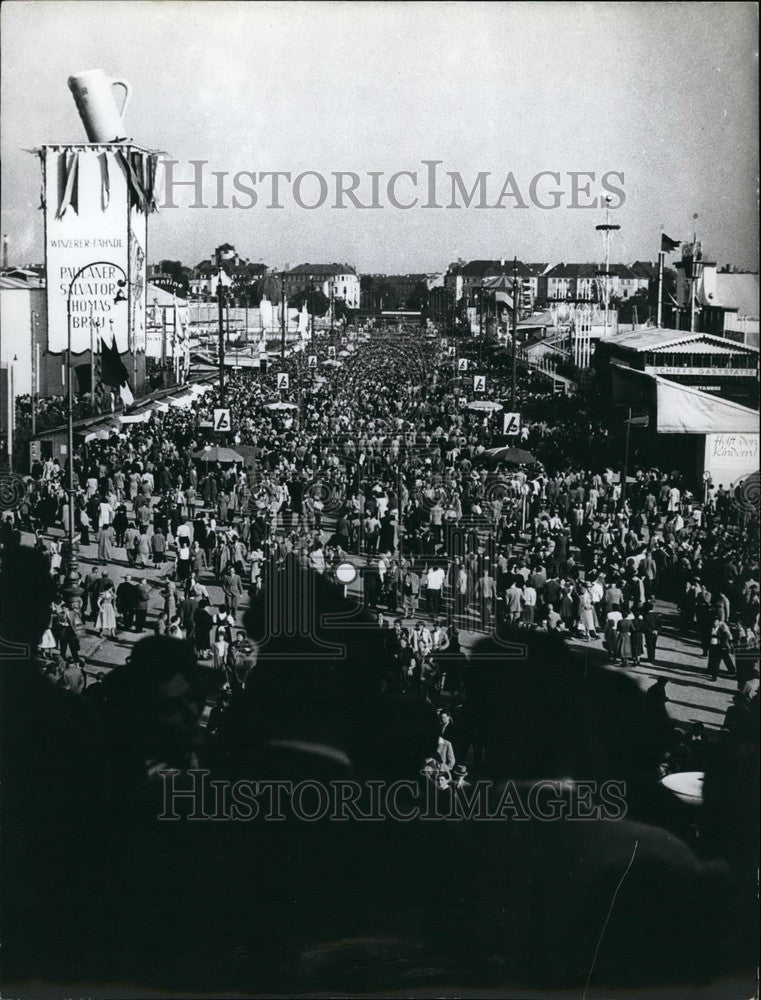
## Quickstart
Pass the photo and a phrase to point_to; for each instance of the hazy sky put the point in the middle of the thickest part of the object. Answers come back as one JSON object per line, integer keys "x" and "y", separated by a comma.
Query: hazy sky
{"x": 665, "y": 93}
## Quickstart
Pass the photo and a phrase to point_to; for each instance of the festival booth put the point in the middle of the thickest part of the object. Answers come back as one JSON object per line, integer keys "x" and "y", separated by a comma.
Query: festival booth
{"x": 679, "y": 427}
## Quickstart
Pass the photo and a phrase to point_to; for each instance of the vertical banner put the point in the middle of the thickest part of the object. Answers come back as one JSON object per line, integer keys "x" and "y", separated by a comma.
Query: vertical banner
{"x": 80, "y": 233}
{"x": 138, "y": 285}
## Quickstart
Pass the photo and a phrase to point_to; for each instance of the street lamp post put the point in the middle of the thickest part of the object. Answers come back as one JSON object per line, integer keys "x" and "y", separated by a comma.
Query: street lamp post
{"x": 695, "y": 272}
{"x": 72, "y": 592}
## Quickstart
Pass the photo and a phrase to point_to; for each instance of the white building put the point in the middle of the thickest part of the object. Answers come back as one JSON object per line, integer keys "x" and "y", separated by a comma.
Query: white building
{"x": 339, "y": 280}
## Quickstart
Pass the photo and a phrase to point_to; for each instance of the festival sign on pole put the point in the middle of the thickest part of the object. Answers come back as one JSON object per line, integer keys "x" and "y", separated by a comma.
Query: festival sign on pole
{"x": 222, "y": 421}
{"x": 512, "y": 424}
{"x": 96, "y": 200}
{"x": 462, "y": 364}
{"x": 479, "y": 383}
{"x": 283, "y": 380}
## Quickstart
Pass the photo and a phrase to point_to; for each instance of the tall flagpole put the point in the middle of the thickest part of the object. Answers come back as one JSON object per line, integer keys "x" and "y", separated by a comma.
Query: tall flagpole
{"x": 661, "y": 258}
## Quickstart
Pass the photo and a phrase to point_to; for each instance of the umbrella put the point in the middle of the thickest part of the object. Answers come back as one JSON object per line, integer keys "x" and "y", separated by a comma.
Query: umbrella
{"x": 281, "y": 406}
{"x": 333, "y": 364}
{"x": 517, "y": 456}
{"x": 485, "y": 405}
{"x": 226, "y": 456}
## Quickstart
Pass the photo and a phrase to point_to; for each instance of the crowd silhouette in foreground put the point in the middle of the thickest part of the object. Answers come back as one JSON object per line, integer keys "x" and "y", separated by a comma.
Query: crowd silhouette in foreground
{"x": 103, "y": 891}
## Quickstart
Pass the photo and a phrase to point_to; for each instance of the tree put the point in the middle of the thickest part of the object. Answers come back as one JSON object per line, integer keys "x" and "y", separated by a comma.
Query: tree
{"x": 340, "y": 310}
{"x": 367, "y": 292}
{"x": 639, "y": 306}
{"x": 387, "y": 296}
{"x": 269, "y": 288}
{"x": 317, "y": 302}
{"x": 418, "y": 297}
{"x": 378, "y": 294}
{"x": 177, "y": 272}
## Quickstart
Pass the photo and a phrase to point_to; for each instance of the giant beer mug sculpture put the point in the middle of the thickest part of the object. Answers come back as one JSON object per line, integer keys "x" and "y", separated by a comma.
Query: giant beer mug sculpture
{"x": 93, "y": 93}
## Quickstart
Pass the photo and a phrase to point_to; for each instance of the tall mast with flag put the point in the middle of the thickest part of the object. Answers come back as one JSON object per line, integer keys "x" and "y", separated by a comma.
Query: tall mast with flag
{"x": 667, "y": 246}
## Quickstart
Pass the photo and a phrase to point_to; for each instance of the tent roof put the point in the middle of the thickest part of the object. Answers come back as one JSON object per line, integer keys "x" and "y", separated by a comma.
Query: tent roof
{"x": 161, "y": 297}
{"x": 682, "y": 409}
{"x": 662, "y": 339}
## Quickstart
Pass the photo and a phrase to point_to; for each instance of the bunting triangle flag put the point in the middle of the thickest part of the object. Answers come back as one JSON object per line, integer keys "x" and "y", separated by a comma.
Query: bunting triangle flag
{"x": 113, "y": 371}
{"x": 668, "y": 245}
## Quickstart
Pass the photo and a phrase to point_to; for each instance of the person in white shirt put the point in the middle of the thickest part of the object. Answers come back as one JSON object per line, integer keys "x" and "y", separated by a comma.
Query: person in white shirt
{"x": 529, "y": 604}
{"x": 436, "y": 577}
{"x": 185, "y": 530}
{"x": 105, "y": 514}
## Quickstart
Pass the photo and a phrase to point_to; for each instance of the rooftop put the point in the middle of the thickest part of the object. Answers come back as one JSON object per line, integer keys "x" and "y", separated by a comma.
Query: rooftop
{"x": 662, "y": 339}
{"x": 21, "y": 277}
{"x": 322, "y": 269}
{"x": 487, "y": 268}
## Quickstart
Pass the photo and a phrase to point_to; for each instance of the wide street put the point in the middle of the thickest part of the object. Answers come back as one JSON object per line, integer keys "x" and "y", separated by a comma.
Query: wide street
{"x": 691, "y": 695}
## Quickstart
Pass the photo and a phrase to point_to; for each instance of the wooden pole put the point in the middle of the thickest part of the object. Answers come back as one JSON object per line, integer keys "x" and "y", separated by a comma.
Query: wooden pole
{"x": 221, "y": 319}
{"x": 626, "y": 453}
{"x": 661, "y": 257}
{"x": 515, "y": 335}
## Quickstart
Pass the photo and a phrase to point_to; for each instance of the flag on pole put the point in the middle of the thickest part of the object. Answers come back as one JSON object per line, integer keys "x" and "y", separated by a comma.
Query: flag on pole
{"x": 113, "y": 372}
{"x": 668, "y": 245}
{"x": 304, "y": 322}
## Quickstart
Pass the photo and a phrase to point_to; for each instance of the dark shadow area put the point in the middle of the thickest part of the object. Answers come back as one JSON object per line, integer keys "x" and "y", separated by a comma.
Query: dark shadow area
{"x": 563, "y": 881}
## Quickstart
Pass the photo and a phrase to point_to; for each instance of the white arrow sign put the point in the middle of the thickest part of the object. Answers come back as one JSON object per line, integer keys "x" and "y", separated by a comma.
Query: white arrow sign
{"x": 512, "y": 424}
{"x": 222, "y": 420}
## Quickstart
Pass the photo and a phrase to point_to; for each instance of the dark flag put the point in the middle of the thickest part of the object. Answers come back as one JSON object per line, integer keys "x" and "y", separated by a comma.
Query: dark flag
{"x": 668, "y": 245}
{"x": 113, "y": 372}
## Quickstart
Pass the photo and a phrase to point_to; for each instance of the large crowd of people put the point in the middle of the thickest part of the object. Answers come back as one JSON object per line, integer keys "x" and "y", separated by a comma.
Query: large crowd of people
{"x": 386, "y": 461}
{"x": 369, "y": 493}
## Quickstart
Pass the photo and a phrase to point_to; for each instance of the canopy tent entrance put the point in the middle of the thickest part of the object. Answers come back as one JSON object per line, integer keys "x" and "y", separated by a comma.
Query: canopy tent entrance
{"x": 694, "y": 431}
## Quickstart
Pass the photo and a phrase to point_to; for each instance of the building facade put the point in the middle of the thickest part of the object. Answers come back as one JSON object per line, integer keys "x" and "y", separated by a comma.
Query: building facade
{"x": 233, "y": 271}
{"x": 339, "y": 281}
